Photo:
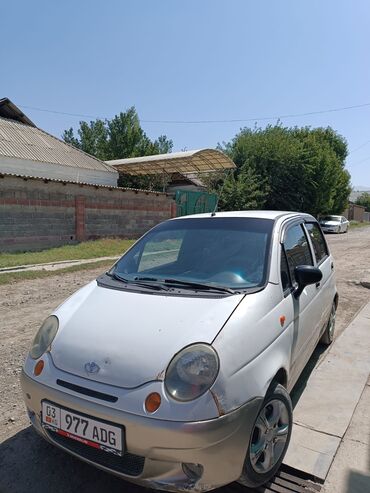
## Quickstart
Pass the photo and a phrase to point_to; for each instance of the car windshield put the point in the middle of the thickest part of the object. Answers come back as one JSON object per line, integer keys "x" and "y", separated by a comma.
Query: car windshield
{"x": 331, "y": 218}
{"x": 229, "y": 252}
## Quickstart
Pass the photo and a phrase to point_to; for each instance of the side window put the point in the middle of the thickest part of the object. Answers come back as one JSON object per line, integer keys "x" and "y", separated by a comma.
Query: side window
{"x": 297, "y": 248}
{"x": 318, "y": 242}
{"x": 284, "y": 272}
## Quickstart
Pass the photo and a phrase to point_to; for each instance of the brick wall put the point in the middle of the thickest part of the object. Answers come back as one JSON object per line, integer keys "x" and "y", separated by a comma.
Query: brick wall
{"x": 37, "y": 213}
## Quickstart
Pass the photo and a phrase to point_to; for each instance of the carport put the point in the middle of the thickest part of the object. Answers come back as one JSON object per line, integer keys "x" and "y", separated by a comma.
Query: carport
{"x": 197, "y": 161}
{"x": 190, "y": 165}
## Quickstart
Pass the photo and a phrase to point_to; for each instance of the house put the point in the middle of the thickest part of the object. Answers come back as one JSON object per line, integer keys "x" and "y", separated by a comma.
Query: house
{"x": 26, "y": 150}
{"x": 355, "y": 212}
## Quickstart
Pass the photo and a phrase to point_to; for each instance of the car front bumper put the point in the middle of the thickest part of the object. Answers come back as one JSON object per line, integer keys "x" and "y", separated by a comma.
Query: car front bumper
{"x": 157, "y": 449}
{"x": 330, "y": 229}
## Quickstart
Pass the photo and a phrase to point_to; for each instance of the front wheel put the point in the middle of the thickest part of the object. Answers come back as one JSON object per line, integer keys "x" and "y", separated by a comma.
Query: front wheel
{"x": 269, "y": 439}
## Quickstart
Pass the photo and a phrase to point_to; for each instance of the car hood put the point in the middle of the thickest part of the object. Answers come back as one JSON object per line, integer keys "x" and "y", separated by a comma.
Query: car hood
{"x": 130, "y": 337}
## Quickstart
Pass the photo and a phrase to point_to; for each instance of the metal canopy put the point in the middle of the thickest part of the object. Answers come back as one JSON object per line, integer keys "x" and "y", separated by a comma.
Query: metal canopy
{"x": 199, "y": 161}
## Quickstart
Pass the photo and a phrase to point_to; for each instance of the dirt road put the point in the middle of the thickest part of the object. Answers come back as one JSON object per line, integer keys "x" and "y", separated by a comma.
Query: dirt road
{"x": 28, "y": 463}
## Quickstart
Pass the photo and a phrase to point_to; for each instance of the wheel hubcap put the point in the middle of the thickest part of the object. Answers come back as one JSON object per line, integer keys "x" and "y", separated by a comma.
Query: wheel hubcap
{"x": 269, "y": 436}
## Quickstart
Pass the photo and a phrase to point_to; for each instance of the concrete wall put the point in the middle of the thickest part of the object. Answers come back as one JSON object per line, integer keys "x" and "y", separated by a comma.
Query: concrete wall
{"x": 36, "y": 213}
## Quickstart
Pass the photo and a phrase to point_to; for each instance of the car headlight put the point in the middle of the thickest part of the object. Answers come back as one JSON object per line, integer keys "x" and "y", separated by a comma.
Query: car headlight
{"x": 44, "y": 337}
{"x": 191, "y": 372}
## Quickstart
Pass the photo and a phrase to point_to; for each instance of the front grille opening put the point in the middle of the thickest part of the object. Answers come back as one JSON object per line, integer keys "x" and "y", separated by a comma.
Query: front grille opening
{"x": 129, "y": 464}
{"x": 85, "y": 391}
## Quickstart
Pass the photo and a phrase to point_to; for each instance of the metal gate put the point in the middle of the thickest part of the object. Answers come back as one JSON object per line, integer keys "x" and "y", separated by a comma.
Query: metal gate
{"x": 189, "y": 202}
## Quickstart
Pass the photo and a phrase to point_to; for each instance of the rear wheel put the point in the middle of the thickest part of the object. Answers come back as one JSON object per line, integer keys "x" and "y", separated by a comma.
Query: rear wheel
{"x": 269, "y": 439}
{"x": 328, "y": 336}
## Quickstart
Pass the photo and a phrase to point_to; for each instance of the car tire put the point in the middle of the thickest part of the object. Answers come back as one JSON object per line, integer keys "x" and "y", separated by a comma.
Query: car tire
{"x": 269, "y": 439}
{"x": 328, "y": 336}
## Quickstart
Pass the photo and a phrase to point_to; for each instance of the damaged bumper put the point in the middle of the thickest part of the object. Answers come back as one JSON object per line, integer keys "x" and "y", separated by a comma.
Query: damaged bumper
{"x": 167, "y": 455}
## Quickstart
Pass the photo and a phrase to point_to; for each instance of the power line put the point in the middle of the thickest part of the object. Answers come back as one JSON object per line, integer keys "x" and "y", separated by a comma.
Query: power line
{"x": 359, "y": 147}
{"x": 186, "y": 122}
{"x": 359, "y": 162}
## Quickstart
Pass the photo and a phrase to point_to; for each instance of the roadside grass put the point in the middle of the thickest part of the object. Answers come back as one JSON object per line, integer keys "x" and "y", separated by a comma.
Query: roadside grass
{"x": 11, "y": 277}
{"x": 107, "y": 247}
{"x": 357, "y": 224}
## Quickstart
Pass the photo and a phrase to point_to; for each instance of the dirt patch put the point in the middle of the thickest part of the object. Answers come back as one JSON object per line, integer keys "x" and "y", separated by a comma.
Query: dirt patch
{"x": 27, "y": 463}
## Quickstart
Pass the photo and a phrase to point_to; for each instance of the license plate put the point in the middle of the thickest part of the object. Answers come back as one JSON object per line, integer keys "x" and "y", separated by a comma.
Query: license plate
{"x": 84, "y": 429}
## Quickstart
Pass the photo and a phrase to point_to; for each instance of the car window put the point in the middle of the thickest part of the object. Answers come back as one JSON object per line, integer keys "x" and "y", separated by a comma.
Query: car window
{"x": 318, "y": 242}
{"x": 297, "y": 248}
{"x": 284, "y": 272}
{"x": 330, "y": 218}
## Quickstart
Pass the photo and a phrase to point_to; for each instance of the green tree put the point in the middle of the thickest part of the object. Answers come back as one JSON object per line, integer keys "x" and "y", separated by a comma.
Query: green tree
{"x": 119, "y": 138}
{"x": 364, "y": 200}
{"x": 295, "y": 168}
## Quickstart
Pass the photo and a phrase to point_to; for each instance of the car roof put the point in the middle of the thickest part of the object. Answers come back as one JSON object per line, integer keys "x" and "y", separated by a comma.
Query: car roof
{"x": 273, "y": 215}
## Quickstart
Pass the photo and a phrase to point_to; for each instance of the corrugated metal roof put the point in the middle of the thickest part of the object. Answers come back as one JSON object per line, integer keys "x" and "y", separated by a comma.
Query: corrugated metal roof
{"x": 199, "y": 161}
{"x": 11, "y": 111}
{"x": 21, "y": 141}
{"x": 80, "y": 183}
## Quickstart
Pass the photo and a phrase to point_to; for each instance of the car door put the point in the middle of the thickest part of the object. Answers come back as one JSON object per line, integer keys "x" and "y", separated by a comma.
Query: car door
{"x": 324, "y": 262}
{"x": 296, "y": 250}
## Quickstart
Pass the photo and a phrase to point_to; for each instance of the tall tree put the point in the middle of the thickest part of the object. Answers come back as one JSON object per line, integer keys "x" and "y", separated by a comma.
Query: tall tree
{"x": 119, "y": 138}
{"x": 364, "y": 200}
{"x": 296, "y": 168}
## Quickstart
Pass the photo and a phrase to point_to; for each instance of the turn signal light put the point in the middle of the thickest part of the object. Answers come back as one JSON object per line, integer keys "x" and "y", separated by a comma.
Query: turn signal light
{"x": 39, "y": 366}
{"x": 152, "y": 402}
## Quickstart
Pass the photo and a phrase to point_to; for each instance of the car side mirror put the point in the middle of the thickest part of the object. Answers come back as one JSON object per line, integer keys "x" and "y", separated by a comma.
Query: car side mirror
{"x": 306, "y": 275}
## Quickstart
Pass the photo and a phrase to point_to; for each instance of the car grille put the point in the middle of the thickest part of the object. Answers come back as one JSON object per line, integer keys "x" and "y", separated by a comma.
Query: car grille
{"x": 129, "y": 464}
{"x": 86, "y": 391}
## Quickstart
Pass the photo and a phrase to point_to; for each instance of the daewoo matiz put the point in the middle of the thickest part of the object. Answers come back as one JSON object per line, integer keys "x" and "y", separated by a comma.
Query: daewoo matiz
{"x": 173, "y": 369}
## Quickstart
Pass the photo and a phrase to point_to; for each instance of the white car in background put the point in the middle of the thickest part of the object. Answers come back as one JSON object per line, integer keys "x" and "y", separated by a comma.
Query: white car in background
{"x": 334, "y": 224}
{"x": 173, "y": 369}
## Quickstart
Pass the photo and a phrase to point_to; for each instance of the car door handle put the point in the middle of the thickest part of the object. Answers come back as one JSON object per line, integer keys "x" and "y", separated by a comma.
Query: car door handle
{"x": 332, "y": 266}
{"x": 318, "y": 284}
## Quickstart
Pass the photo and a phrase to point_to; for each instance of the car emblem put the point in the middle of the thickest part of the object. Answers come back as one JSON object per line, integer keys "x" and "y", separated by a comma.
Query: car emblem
{"x": 92, "y": 367}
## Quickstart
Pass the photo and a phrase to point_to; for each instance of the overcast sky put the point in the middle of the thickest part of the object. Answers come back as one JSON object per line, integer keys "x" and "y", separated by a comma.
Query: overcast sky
{"x": 192, "y": 60}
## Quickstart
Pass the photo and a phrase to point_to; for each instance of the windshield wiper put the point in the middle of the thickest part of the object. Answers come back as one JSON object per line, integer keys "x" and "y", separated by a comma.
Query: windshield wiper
{"x": 138, "y": 281}
{"x": 116, "y": 276}
{"x": 199, "y": 285}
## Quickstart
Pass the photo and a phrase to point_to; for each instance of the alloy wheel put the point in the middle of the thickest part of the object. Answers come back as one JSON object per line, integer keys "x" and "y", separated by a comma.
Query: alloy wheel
{"x": 269, "y": 436}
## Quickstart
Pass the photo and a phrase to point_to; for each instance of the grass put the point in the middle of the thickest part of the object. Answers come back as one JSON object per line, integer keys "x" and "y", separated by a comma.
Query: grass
{"x": 357, "y": 224}
{"x": 11, "y": 277}
{"x": 88, "y": 249}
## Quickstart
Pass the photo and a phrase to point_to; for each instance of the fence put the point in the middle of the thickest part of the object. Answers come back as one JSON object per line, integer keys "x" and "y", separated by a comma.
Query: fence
{"x": 37, "y": 213}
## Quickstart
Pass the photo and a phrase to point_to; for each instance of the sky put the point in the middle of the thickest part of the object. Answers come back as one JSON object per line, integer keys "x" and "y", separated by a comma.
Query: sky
{"x": 190, "y": 61}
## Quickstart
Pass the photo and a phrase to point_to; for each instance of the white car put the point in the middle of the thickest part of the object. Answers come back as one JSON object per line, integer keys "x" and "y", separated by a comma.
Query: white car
{"x": 334, "y": 224}
{"x": 173, "y": 369}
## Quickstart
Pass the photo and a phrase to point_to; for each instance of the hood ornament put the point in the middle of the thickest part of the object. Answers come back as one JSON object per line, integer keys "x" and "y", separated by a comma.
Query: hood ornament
{"x": 92, "y": 367}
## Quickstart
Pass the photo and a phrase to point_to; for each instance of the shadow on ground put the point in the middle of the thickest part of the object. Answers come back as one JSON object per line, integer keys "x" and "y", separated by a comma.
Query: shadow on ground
{"x": 300, "y": 386}
{"x": 30, "y": 464}
{"x": 357, "y": 482}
